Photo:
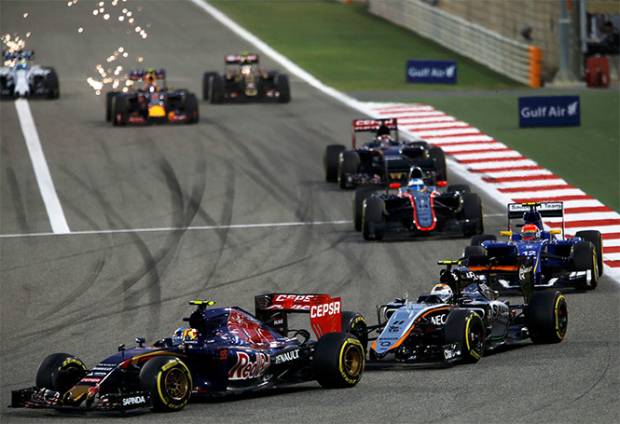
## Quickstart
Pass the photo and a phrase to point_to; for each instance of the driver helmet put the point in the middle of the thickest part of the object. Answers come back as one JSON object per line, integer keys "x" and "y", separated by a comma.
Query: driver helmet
{"x": 443, "y": 291}
{"x": 384, "y": 140}
{"x": 530, "y": 232}
{"x": 416, "y": 184}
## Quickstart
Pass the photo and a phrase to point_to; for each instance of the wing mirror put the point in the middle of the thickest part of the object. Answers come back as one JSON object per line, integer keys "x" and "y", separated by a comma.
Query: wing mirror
{"x": 506, "y": 233}
{"x": 555, "y": 232}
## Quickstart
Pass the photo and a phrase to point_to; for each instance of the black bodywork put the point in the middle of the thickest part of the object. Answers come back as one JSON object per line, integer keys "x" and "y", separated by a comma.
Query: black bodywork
{"x": 244, "y": 81}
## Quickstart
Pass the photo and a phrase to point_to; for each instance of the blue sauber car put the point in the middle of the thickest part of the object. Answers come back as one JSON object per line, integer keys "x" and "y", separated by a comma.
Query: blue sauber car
{"x": 223, "y": 350}
{"x": 538, "y": 254}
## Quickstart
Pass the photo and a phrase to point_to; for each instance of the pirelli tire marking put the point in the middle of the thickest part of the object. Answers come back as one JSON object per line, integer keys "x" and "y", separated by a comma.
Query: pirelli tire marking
{"x": 164, "y": 395}
{"x": 471, "y": 351}
{"x": 560, "y": 332}
{"x": 346, "y": 346}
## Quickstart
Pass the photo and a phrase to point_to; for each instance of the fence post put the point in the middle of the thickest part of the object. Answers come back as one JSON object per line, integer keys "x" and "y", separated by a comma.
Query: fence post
{"x": 535, "y": 56}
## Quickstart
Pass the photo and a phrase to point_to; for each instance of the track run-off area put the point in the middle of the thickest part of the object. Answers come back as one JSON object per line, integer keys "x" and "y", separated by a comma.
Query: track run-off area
{"x": 226, "y": 209}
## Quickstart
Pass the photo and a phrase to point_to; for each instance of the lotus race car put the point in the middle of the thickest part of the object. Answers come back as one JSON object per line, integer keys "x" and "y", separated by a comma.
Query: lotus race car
{"x": 536, "y": 253}
{"x": 418, "y": 208}
{"x": 243, "y": 80}
{"x": 224, "y": 350}
{"x": 151, "y": 102}
{"x": 383, "y": 159}
{"x": 460, "y": 320}
{"x": 20, "y": 78}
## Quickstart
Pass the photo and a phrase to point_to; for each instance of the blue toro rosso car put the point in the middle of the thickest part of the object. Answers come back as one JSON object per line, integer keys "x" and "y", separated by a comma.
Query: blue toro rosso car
{"x": 538, "y": 254}
{"x": 223, "y": 350}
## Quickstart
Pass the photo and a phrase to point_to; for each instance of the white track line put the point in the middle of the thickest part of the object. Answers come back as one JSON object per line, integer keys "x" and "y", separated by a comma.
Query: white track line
{"x": 192, "y": 228}
{"x": 55, "y": 213}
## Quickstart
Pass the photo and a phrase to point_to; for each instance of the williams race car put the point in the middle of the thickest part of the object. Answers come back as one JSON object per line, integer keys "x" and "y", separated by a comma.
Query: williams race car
{"x": 243, "y": 81}
{"x": 20, "y": 78}
{"x": 536, "y": 253}
{"x": 418, "y": 208}
{"x": 224, "y": 350}
{"x": 383, "y": 159}
{"x": 460, "y": 320}
{"x": 151, "y": 102}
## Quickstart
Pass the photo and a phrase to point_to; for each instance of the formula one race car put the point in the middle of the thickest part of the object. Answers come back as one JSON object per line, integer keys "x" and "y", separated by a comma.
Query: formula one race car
{"x": 152, "y": 102}
{"x": 418, "y": 208}
{"x": 243, "y": 80}
{"x": 224, "y": 350}
{"x": 536, "y": 253}
{"x": 383, "y": 159}
{"x": 460, "y": 320}
{"x": 20, "y": 78}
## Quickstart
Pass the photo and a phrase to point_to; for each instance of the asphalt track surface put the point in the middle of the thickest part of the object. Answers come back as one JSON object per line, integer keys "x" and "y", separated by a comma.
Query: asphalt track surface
{"x": 242, "y": 164}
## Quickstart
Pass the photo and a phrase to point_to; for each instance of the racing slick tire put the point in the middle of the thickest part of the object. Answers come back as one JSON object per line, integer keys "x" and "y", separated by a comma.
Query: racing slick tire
{"x": 439, "y": 158}
{"x": 349, "y": 164}
{"x": 282, "y": 85}
{"x": 472, "y": 211}
{"x": 207, "y": 80}
{"x": 191, "y": 108}
{"x": 475, "y": 254}
{"x": 361, "y": 194}
{"x": 478, "y": 239}
{"x": 584, "y": 259}
{"x": 354, "y": 323}
{"x": 120, "y": 111}
{"x": 109, "y": 96}
{"x": 168, "y": 381}
{"x": 60, "y": 372}
{"x": 372, "y": 219}
{"x": 466, "y": 329}
{"x": 547, "y": 317}
{"x": 330, "y": 161}
{"x": 463, "y": 188}
{"x": 52, "y": 85}
{"x": 218, "y": 89}
{"x": 596, "y": 239}
{"x": 338, "y": 360}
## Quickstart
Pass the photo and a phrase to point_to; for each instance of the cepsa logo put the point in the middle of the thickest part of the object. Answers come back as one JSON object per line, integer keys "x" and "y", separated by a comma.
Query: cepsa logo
{"x": 246, "y": 369}
{"x": 325, "y": 309}
{"x": 307, "y": 298}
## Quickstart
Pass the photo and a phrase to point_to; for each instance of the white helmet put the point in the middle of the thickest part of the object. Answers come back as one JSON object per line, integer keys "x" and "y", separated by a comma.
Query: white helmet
{"x": 443, "y": 291}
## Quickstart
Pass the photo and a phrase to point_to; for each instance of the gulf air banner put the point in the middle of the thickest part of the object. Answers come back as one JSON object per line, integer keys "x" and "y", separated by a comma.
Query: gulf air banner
{"x": 431, "y": 71}
{"x": 549, "y": 111}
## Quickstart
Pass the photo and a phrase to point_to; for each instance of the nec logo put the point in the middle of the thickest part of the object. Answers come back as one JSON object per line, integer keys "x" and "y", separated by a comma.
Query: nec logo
{"x": 439, "y": 319}
{"x": 546, "y": 111}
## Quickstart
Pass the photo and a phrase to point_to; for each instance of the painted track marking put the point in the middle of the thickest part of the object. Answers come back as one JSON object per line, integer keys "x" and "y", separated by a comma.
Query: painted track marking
{"x": 52, "y": 204}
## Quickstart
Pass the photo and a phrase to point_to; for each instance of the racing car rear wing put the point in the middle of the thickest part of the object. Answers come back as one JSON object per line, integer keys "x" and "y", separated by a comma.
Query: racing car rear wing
{"x": 373, "y": 125}
{"x": 325, "y": 311}
{"x": 545, "y": 209}
{"x": 138, "y": 74}
{"x": 234, "y": 59}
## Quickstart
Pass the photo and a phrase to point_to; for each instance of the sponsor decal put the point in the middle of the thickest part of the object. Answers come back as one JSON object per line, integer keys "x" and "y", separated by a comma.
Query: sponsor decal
{"x": 245, "y": 368}
{"x": 439, "y": 319}
{"x": 134, "y": 400}
{"x": 549, "y": 111}
{"x": 325, "y": 309}
{"x": 90, "y": 380}
{"x": 432, "y": 71}
{"x": 295, "y": 298}
{"x": 287, "y": 357}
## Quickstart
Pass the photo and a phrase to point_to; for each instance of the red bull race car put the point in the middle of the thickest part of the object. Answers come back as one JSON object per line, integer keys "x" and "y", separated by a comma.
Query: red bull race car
{"x": 221, "y": 351}
{"x": 244, "y": 81}
{"x": 151, "y": 101}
